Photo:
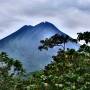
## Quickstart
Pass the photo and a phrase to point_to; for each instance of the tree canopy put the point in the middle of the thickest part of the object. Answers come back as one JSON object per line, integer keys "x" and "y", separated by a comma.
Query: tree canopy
{"x": 56, "y": 40}
{"x": 84, "y": 36}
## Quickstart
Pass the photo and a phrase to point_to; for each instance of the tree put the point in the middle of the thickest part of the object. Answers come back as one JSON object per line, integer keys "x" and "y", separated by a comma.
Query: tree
{"x": 56, "y": 40}
{"x": 84, "y": 36}
{"x": 9, "y": 69}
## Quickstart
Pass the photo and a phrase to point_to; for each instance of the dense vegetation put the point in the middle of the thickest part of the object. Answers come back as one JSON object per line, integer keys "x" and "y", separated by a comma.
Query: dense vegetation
{"x": 69, "y": 70}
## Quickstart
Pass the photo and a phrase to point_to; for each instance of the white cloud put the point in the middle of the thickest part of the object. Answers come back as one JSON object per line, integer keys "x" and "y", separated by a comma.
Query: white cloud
{"x": 68, "y": 15}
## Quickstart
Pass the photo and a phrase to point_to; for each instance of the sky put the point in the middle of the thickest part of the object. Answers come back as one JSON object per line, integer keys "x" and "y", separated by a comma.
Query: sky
{"x": 69, "y": 16}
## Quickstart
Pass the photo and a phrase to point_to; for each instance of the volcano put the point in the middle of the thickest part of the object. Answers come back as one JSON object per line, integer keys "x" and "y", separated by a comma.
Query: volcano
{"x": 23, "y": 45}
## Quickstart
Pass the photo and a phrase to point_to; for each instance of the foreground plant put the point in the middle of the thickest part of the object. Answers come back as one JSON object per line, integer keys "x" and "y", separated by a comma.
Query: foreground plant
{"x": 9, "y": 69}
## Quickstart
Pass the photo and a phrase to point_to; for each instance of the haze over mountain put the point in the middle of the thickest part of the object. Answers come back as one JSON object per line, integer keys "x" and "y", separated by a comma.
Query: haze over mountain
{"x": 23, "y": 45}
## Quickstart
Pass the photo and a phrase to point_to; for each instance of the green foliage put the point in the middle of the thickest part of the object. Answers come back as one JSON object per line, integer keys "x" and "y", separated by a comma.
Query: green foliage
{"x": 9, "y": 69}
{"x": 69, "y": 70}
{"x": 84, "y": 36}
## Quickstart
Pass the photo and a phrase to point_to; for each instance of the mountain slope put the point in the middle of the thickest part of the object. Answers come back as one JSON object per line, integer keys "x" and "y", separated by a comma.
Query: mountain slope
{"x": 23, "y": 45}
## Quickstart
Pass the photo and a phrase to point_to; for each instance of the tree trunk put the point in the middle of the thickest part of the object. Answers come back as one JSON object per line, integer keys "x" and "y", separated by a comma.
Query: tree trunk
{"x": 64, "y": 46}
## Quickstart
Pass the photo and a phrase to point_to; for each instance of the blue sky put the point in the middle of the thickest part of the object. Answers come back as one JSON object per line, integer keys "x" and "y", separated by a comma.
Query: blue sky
{"x": 70, "y": 16}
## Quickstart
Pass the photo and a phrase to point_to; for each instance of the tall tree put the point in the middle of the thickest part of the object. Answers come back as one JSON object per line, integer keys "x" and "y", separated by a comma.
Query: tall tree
{"x": 56, "y": 40}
